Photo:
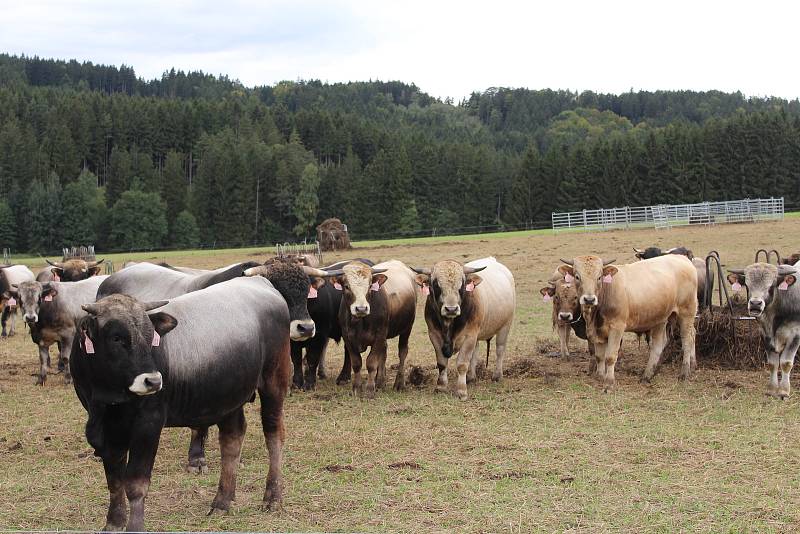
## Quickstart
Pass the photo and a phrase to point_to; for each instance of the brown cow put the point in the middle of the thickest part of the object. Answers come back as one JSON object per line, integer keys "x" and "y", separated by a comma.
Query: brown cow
{"x": 378, "y": 303}
{"x": 464, "y": 308}
{"x": 639, "y": 297}
{"x": 74, "y": 270}
{"x": 566, "y": 311}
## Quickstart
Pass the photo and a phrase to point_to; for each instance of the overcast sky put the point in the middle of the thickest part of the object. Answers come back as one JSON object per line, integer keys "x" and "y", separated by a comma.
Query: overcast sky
{"x": 446, "y": 48}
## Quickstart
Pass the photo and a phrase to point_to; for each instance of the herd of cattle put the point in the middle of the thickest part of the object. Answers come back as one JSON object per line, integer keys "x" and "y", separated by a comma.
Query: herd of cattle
{"x": 209, "y": 341}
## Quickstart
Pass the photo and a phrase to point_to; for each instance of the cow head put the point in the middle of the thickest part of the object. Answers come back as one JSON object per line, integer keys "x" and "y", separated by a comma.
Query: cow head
{"x": 589, "y": 274}
{"x": 565, "y": 300}
{"x": 30, "y": 295}
{"x": 117, "y": 337}
{"x": 358, "y": 281}
{"x": 296, "y": 283}
{"x": 646, "y": 254}
{"x": 762, "y": 281}
{"x": 447, "y": 283}
{"x": 74, "y": 270}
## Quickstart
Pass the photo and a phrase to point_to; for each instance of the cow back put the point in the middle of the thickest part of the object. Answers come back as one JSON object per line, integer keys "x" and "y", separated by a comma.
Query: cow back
{"x": 401, "y": 296}
{"x": 494, "y": 298}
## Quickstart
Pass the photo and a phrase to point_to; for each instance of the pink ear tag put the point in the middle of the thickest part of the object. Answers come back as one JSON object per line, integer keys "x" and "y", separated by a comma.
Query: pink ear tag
{"x": 425, "y": 290}
{"x": 337, "y": 285}
{"x": 568, "y": 278}
{"x": 48, "y": 298}
{"x": 783, "y": 286}
{"x": 87, "y": 343}
{"x": 312, "y": 292}
{"x": 736, "y": 286}
{"x": 547, "y": 297}
{"x": 470, "y": 287}
{"x": 375, "y": 286}
{"x": 607, "y": 279}
{"x": 12, "y": 301}
{"x": 156, "y": 339}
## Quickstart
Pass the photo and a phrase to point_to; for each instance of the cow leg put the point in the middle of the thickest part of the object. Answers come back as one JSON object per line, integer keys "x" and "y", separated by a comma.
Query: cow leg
{"x": 114, "y": 464}
{"x": 344, "y": 375}
{"x": 563, "y": 337}
{"x": 600, "y": 360}
{"x": 44, "y": 364}
{"x": 4, "y": 320}
{"x": 321, "y": 373}
{"x": 197, "y": 452}
{"x": 658, "y": 338}
{"x": 13, "y": 330}
{"x": 773, "y": 359}
{"x": 472, "y": 372}
{"x": 231, "y": 437}
{"x": 377, "y": 355}
{"x": 64, "y": 350}
{"x": 612, "y": 351}
{"x": 380, "y": 376}
{"x": 687, "y": 344}
{"x": 462, "y": 365}
{"x": 402, "y": 352}
{"x": 297, "y": 364}
{"x": 592, "y": 358}
{"x": 355, "y": 363}
{"x": 787, "y": 362}
{"x": 441, "y": 362}
{"x": 272, "y": 395}
{"x": 314, "y": 351}
{"x": 144, "y": 445}
{"x": 500, "y": 348}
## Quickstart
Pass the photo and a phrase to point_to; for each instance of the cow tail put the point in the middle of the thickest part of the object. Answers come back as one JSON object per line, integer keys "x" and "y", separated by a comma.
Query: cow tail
{"x": 488, "y": 344}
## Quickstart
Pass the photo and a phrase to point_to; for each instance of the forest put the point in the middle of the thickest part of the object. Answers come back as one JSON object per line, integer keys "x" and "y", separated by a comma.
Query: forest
{"x": 93, "y": 154}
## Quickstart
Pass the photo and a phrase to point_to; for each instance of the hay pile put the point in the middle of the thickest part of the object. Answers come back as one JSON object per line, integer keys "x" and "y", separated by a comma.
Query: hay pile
{"x": 721, "y": 341}
{"x": 332, "y": 235}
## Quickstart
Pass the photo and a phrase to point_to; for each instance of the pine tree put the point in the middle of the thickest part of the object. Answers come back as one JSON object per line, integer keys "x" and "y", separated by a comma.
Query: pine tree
{"x": 138, "y": 221}
{"x": 306, "y": 203}
{"x": 185, "y": 233}
{"x": 120, "y": 174}
{"x": 8, "y": 232}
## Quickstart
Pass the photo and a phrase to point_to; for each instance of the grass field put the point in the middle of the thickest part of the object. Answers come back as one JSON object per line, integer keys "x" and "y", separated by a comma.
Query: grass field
{"x": 544, "y": 450}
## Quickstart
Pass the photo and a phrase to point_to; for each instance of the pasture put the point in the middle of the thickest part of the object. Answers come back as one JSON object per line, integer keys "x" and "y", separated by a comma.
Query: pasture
{"x": 544, "y": 450}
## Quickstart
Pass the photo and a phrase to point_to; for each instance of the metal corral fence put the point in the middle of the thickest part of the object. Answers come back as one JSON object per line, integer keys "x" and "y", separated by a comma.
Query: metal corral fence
{"x": 669, "y": 215}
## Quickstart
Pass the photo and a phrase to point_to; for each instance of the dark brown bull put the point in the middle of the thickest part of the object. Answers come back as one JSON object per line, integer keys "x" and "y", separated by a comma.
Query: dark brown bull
{"x": 74, "y": 270}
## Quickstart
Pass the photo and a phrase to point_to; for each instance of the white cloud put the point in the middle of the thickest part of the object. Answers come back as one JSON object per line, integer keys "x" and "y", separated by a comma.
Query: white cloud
{"x": 446, "y": 48}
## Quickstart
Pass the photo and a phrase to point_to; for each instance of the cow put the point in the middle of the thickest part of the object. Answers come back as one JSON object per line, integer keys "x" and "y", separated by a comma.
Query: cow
{"x": 323, "y": 307}
{"x": 11, "y": 275}
{"x": 74, "y": 269}
{"x": 566, "y": 311}
{"x": 146, "y": 281}
{"x": 137, "y": 372}
{"x": 462, "y": 308}
{"x": 704, "y": 280}
{"x": 52, "y": 310}
{"x": 639, "y": 297}
{"x": 378, "y": 303}
{"x": 774, "y": 300}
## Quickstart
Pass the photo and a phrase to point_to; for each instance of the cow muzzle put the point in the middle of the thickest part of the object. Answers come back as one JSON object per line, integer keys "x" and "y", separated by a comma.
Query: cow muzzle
{"x": 301, "y": 330}
{"x": 589, "y": 300}
{"x": 146, "y": 384}
{"x": 451, "y": 311}
{"x": 755, "y": 307}
{"x": 31, "y": 318}
{"x": 359, "y": 310}
{"x": 565, "y": 316}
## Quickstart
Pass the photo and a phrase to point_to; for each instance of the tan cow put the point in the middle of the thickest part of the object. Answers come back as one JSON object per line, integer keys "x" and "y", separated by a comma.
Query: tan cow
{"x": 74, "y": 270}
{"x": 566, "y": 311}
{"x": 639, "y": 297}
{"x": 378, "y": 303}
{"x": 463, "y": 308}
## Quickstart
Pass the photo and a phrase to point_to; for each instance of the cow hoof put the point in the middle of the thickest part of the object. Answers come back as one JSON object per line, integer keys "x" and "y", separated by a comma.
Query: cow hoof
{"x": 399, "y": 386}
{"x": 40, "y": 380}
{"x": 369, "y": 392}
{"x": 342, "y": 380}
{"x": 309, "y": 387}
{"x": 113, "y": 528}
{"x": 68, "y": 380}
{"x": 220, "y": 508}
{"x": 497, "y": 377}
{"x": 683, "y": 377}
{"x": 197, "y": 467}
{"x": 273, "y": 500}
{"x": 441, "y": 388}
{"x": 321, "y": 374}
{"x": 646, "y": 380}
{"x": 462, "y": 395}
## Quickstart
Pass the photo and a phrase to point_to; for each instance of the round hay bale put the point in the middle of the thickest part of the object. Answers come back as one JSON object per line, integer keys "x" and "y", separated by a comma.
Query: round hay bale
{"x": 721, "y": 341}
{"x": 332, "y": 234}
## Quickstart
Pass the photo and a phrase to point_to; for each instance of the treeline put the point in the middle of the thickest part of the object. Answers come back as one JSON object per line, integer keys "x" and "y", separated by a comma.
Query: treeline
{"x": 93, "y": 154}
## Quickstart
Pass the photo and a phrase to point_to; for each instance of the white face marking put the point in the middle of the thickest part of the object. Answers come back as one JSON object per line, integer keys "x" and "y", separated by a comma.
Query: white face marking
{"x": 140, "y": 388}
{"x": 301, "y": 330}
{"x": 359, "y": 285}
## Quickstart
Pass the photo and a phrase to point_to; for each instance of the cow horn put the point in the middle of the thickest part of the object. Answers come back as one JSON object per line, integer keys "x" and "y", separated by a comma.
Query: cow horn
{"x": 335, "y": 272}
{"x": 636, "y": 250}
{"x": 319, "y": 273}
{"x": 95, "y": 263}
{"x": 91, "y": 309}
{"x": 568, "y": 262}
{"x": 421, "y": 270}
{"x": 736, "y": 271}
{"x": 783, "y": 270}
{"x": 470, "y": 270}
{"x": 255, "y": 271}
{"x": 155, "y": 304}
{"x": 55, "y": 264}
{"x": 379, "y": 271}
{"x": 606, "y": 262}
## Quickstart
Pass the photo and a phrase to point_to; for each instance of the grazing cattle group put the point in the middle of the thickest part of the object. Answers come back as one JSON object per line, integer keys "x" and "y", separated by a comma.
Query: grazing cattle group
{"x": 157, "y": 345}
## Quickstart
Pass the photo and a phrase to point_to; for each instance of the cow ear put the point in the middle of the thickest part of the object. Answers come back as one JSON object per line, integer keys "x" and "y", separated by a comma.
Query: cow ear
{"x": 609, "y": 270}
{"x": 789, "y": 279}
{"x": 317, "y": 282}
{"x": 474, "y": 279}
{"x": 422, "y": 279}
{"x": 58, "y": 271}
{"x": 566, "y": 270}
{"x": 734, "y": 278}
{"x": 163, "y": 322}
{"x": 94, "y": 271}
{"x": 379, "y": 279}
{"x": 548, "y": 291}
{"x": 48, "y": 289}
